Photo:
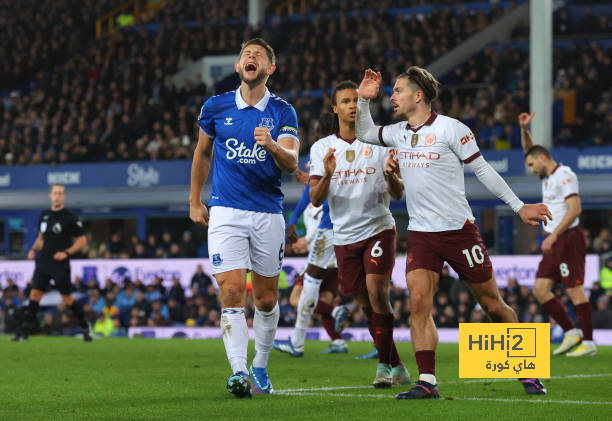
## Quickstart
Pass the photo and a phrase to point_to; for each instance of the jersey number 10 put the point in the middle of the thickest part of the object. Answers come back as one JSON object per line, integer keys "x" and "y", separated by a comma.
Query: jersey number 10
{"x": 476, "y": 254}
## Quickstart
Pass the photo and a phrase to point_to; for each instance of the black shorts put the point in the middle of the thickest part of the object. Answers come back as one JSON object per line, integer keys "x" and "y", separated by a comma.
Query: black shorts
{"x": 58, "y": 271}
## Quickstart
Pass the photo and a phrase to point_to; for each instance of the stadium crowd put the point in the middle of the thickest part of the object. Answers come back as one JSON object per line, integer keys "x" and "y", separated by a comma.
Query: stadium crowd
{"x": 113, "y": 99}
{"x": 112, "y": 308}
{"x": 495, "y": 92}
{"x": 191, "y": 243}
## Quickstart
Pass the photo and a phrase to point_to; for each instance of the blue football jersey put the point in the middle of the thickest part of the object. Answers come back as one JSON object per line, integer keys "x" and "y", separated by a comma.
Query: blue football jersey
{"x": 245, "y": 175}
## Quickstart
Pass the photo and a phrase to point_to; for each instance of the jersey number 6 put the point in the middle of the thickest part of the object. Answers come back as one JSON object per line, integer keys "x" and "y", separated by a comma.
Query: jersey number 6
{"x": 377, "y": 251}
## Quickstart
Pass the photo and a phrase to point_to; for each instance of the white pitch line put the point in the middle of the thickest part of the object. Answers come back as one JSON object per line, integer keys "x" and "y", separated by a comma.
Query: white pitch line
{"x": 380, "y": 396}
{"x": 569, "y": 376}
{"x": 332, "y": 388}
{"x": 342, "y": 395}
{"x": 543, "y": 400}
{"x": 321, "y": 389}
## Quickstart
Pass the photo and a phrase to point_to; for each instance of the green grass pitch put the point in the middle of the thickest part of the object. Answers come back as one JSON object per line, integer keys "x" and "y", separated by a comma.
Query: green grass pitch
{"x": 64, "y": 378}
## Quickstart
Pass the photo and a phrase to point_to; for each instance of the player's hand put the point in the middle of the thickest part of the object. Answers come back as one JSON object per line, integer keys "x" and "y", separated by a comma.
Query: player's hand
{"x": 302, "y": 176}
{"x": 292, "y": 233}
{"x": 329, "y": 162}
{"x": 548, "y": 243}
{"x": 531, "y": 214}
{"x": 60, "y": 255}
{"x": 368, "y": 89}
{"x": 264, "y": 138}
{"x": 392, "y": 164}
{"x": 524, "y": 119}
{"x": 31, "y": 254}
{"x": 199, "y": 214}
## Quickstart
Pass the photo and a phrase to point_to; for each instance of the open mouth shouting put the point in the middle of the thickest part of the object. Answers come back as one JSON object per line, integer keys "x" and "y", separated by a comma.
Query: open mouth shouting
{"x": 250, "y": 69}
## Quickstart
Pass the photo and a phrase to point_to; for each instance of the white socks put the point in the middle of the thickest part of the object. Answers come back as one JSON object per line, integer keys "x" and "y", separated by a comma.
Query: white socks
{"x": 429, "y": 378}
{"x": 235, "y": 337}
{"x": 306, "y": 305}
{"x": 264, "y": 326}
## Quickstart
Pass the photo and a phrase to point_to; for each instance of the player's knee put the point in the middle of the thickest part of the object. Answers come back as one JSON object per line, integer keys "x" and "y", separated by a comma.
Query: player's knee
{"x": 266, "y": 302}
{"x": 493, "y": 307}
{"x": 420, "y": 304}
{"x": 577, "y": 295}
{"x": 540, "y": 291}
{"x": 231, "y": 295}
{"x": 379, "y": 300}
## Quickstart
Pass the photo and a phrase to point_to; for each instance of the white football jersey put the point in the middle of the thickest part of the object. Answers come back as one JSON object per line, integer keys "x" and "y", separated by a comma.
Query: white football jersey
{"x": 312, "y": 219}
{"x": 558, "y": 186}
{"x": 431, "y": 159}
{"x": 358, "y": 197}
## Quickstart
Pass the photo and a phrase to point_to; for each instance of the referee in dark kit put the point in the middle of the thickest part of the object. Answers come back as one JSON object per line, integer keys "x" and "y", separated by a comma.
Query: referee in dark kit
{"x": 60, "y": 235}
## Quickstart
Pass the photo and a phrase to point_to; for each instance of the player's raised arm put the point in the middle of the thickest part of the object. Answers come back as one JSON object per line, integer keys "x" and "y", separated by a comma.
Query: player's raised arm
{"x": 395, "y": 185}
{"x": 526, "y": 141}
{"x": 367, "y": 131}
{"x": 319, "y": 184}
{"x": 199, "y": 173}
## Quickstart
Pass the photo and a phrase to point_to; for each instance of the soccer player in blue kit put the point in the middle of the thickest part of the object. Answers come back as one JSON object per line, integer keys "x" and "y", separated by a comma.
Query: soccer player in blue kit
{"x": 251, "y": 135}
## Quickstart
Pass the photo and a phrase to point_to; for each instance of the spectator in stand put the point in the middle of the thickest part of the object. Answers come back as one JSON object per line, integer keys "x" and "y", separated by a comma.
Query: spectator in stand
{"x": 602, "y": 316}
{"x": 151, "y": 245}
{"x": 176, "y": 312}
{"x": 152, "y": 294}
{"x": 602, "y": 243}
{"x": 187, "y": 246}
{"x": 139, "y": 252}
{"x": 158, "y": 283}
{"x": 166, "y": 241}
{"x": 175, "y": 252}
{"x": 96, "y": 302}
{"x": 142, "y": 305}
{"x": 200, "y": 280}
{"x": 116, "y": 244}
{"x": 136, "y": 319}
{"x": 176, "y": 291}
{"x": 109, "y": 309}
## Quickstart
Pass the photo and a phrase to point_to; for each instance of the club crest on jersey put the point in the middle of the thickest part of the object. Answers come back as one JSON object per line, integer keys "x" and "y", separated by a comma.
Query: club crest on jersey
{"x": 414, "y": 140}
{"x": 367, "y": 152}
{"x": 267, "y": 122}
{"x": 430, "y": 139}
{"x": 350, "y": 155}
{"x": 216, "y": 259}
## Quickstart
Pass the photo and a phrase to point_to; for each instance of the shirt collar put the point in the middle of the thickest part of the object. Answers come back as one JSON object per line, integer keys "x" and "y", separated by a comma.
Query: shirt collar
{"x": 428, "y": 122}
{"x": 261, "y": 105}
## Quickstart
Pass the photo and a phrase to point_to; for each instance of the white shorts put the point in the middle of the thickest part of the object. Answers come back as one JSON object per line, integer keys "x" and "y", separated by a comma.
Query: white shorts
{"x": 321, "y": 250}
{"x": 241, "y": 239}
